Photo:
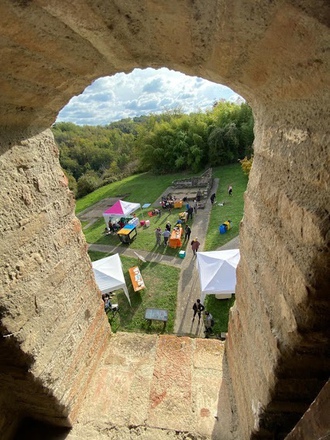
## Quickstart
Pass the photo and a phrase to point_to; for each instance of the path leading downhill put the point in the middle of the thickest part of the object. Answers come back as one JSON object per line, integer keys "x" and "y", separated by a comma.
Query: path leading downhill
{"x": 189, "y": 287}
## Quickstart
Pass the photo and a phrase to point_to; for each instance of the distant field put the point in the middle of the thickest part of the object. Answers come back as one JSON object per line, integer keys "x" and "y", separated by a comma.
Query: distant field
{"x": 139, "y": 188}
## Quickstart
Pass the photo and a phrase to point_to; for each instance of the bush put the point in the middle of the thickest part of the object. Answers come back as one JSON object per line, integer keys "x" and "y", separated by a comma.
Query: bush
{"x": 246, "y": 165}
{"x": 87, "y": 183}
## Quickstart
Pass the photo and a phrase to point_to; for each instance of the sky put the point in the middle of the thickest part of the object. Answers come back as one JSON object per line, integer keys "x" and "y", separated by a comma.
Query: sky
{"x": 142, "y": 92}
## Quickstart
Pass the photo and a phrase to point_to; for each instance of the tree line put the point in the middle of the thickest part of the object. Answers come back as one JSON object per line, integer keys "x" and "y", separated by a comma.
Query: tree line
{"x": 93, "y": 156}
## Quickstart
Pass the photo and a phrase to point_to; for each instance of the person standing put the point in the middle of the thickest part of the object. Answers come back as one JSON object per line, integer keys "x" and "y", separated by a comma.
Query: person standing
{"x": 230, "y": 190}
{"x": 212, "y": 198}
{"x": 195, "y": 245}
{"x": 195, "y": 206}
{"x": 190, "y": 213}
{"x": 158, "y": 233}
{"x": 187, "y": 232}
{"x": 198, "y": 308}
{"x": 208, "y": 322}
{"x": 166, "y": 234}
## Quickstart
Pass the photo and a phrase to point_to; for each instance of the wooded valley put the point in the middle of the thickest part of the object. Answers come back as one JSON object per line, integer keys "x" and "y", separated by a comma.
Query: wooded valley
{"x": 93, "y": 156}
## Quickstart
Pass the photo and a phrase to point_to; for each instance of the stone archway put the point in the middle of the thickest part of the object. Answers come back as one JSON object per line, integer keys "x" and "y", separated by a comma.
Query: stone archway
{"x": 272, "y": 53}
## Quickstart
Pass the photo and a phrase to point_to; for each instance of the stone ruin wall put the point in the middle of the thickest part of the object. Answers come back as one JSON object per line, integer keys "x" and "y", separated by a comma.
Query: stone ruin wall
{"x": 203, "y": 181}
{"x": 50, "y": 303}
{"x": 274, "y": 54}
{"x": 193, "y": 185}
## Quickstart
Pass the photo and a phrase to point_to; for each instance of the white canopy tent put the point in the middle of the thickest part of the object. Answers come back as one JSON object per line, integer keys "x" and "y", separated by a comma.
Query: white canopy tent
{"x": 217, "y": 272}
{"x": 109, "y": 275}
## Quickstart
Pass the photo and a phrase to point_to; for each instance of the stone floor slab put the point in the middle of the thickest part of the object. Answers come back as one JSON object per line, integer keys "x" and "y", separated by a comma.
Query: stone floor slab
{"x": 153, "y": 386}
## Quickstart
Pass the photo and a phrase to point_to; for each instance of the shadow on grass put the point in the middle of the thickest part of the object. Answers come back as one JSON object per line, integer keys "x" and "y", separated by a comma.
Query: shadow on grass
{"x": 126, "y": 312}
{"x": 219, "y": 309}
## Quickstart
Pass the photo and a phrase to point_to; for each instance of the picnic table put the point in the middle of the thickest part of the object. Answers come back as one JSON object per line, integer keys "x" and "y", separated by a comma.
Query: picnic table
{"x": 152, "y": 314}
{"x": 127, "y": 234}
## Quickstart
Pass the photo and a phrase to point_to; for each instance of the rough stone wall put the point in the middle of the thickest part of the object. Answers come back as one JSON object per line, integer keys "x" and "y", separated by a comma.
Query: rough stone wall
{"x": 315, "y": 422}
{"x": 279, "y": 325}
{"x": 51, "y": 312}
{"x": 273, "y": 53}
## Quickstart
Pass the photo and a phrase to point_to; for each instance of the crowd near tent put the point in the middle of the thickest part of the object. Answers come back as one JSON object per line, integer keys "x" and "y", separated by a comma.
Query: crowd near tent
{"x": 120, "y": 209}
{"x": 109, "y": 275}
{"x": 217, "y": 272}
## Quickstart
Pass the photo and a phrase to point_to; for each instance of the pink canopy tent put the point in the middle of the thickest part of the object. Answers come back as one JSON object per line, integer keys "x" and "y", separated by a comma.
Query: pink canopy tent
{"x": 120, "y": 209}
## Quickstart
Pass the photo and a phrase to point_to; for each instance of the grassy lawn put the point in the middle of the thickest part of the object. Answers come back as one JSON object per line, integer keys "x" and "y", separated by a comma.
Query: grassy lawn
{"x": 231, "y": 210}
{"x": 140, "y": 188}
{"x": 145, "y": 239}
{"x": 131, "y": 318}
{"x": 146, "y": 188}
{"x": 219, "y": 309}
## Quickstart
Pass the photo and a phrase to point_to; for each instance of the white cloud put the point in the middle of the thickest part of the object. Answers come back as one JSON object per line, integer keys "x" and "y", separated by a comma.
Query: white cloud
{"x": 142, "y": 92}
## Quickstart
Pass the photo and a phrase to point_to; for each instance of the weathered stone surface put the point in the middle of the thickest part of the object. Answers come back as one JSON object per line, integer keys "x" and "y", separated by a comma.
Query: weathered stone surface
{"x": 315, "y": 422}
{"x": 164, "y": 386}
{"x": 51, "y": 309}
{"x": 273, "y": 53}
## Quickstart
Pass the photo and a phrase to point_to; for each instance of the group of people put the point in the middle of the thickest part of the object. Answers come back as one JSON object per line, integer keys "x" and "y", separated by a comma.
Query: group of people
{"x": 190, "y": 209}
{"x": 115, "y": 226}
{"x": 159, "y": 234}
{"x": 198, "y": 309}
{"x": 156, "y": 211}
{"x": 165, "y": 234}
{"x": 168, "y": 202}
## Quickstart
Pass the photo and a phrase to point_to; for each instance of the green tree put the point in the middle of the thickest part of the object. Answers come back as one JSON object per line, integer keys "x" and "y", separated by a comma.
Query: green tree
{"x": 87, "y": 183}
{"x": 171, "y": 141}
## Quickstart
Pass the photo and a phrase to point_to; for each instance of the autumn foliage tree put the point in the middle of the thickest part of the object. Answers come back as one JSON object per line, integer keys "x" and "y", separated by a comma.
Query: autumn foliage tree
{"x": 246, "y": 165}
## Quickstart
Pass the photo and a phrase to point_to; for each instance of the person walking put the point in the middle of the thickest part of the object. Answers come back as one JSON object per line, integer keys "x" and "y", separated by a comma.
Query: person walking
{"x": 187, "y": 232}
{"x": 230, "y": 190}
{"x": 166, "y": 234}
{"x": 194, "y": 246}
{"x": 198, "y": 308}
{"x": 158, "y": 233}
{"x": 212, "y": 198}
